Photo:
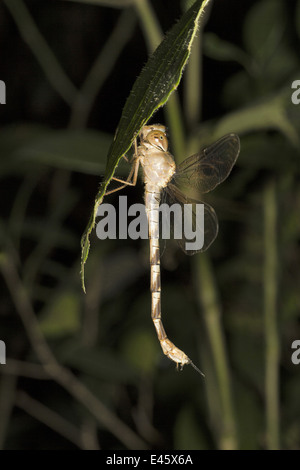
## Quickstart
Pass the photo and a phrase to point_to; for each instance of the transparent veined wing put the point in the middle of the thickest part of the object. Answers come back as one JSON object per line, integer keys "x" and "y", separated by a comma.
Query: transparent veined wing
{"x": 208, "y": 168}
{"x": 206, "y": 228}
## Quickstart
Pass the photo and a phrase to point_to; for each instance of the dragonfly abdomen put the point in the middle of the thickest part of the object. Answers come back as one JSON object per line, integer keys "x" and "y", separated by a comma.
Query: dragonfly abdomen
{"x": 152, "y": 200}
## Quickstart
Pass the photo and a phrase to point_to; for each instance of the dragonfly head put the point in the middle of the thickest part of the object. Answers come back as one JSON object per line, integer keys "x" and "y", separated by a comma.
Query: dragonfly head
{"x": 155, "y": 135}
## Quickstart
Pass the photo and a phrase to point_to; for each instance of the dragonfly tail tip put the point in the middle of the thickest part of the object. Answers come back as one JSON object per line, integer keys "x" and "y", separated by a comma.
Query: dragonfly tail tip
{"x": 196, "y": 368}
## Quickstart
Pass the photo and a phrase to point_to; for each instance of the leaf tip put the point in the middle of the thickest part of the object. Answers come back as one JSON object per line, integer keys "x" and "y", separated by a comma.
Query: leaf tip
{"x": 85, "y": 248}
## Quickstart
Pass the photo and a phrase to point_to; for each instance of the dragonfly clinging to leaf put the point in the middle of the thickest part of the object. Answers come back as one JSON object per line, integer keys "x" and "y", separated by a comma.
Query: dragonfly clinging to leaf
{"x": 203, "y": 171}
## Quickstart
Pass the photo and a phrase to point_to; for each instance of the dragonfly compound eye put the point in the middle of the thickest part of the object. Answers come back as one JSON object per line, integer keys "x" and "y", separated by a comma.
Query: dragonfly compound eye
{"x": 158, "y": 139}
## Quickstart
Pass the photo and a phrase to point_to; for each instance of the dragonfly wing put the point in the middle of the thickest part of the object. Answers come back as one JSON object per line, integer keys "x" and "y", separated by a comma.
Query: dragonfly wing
{"x": 205, "y": 228}
{"x": 208, "y": 168}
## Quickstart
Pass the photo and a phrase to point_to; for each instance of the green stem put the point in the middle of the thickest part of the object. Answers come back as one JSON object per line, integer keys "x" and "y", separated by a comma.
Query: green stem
{"x": 101, "y": 69}
{"x": 208, "y": 302}
{"x": 19, "y": 207}
{"x": 175, "y": 124}
{"x": 149, "y": 23}
{"x": 193, "y": 85}
{"x": 270, "y": 307}
{"x": 44, "y": 55}
{"x": 58, "y": 372}
{"x": 8, "y": 386}
{"x": 50, "y": 418}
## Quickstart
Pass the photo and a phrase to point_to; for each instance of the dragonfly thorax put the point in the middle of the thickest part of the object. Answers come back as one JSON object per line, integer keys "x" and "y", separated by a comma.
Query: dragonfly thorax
{"x": 158, "y": 164}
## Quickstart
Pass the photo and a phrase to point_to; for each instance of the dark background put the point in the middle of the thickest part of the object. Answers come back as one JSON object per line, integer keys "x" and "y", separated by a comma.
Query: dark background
{"x": 234, "y": 311}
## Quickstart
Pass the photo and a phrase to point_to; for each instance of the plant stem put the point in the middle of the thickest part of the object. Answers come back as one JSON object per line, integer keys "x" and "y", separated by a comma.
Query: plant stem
{"x": 8, "y": 385}
{"x": 39, "y": 47}
{"x": 25, "y": 369}
{"x": 101, "y": 69}
{"x": 59, "y": 373}
{"x": 50, "y": 418}
{"x": 175, "y": 123}
{"x": 208, "y": 302}
{"x": 149, "y": 23}
{"x": 193, "y": 85}
{"x": 270, "y": 307}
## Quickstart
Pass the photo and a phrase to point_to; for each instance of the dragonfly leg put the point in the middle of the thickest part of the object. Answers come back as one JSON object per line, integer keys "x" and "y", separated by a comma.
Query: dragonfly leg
{"x": 132, "y": 175}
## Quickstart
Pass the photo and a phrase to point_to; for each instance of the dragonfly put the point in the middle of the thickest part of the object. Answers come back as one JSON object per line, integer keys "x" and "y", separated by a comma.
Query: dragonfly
{"x": 202, "y": 171}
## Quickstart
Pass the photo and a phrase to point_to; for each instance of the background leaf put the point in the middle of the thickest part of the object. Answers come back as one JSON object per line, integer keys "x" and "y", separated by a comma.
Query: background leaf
{"x": 83, "y": 151}
{"x": 62, "y": 317}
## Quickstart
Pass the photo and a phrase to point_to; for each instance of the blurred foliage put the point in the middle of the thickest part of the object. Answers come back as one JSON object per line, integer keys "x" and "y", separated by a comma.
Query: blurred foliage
{"x": 87, "y": 371}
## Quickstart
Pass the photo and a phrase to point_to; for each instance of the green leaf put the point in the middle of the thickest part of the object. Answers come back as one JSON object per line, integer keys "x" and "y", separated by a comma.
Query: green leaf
{"x": 141, "y": 348}
{"x": 264, "y": 28}
{"x": 62, "y": 317}
{"x": 188, "y": 434}
{"x": 158, "y": 79}
{"x": 275, "y": 112}
{"x": 218, "y": 49}
{"x": 12, "y": 138}
{"x": 82, "y": 151}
